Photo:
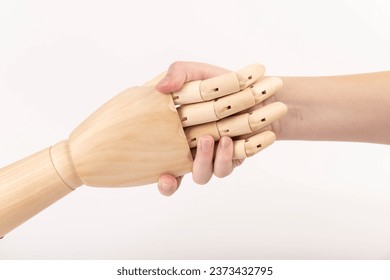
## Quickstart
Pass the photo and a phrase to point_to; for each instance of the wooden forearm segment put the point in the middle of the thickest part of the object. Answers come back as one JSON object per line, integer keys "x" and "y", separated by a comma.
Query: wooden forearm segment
{"x": 34, "y": 183}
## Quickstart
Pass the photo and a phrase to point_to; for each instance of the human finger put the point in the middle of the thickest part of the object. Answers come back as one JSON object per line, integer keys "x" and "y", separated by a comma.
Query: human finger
{"x": 168, "y": 184}
{"x": 202, "y": 169}
{"x": 223, "y": 163}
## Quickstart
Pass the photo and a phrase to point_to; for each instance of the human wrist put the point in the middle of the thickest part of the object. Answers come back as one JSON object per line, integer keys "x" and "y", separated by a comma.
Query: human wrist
{"x": 288, "y": 127}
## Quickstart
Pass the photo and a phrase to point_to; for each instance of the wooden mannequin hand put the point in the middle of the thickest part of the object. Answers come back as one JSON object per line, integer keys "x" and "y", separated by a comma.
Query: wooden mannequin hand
{"x": 206, "y": 161}
{"x": 117, "y": 145}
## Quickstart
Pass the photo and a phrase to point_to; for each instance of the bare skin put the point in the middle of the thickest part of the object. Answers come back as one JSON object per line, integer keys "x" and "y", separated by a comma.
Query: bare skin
{"x": 351, "y": 108}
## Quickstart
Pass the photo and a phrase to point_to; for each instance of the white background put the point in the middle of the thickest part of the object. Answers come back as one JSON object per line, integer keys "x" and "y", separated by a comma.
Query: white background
{"x": 60, "y": 60}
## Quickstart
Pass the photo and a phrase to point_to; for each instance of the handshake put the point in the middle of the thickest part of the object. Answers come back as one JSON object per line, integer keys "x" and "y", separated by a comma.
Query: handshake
{"x": 168, "y": 127}
{"x": 156, "y": 132}
{"x": 217, "y": 105}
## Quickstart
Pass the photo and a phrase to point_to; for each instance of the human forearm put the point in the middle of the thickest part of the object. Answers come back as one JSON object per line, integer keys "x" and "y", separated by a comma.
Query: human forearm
{"x": 340, "y": 108}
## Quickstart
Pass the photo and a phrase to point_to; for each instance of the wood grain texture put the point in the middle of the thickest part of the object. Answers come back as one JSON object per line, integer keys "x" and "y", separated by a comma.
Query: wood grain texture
{"x": 27, "y": 187}
{"x": 131, "y": 140}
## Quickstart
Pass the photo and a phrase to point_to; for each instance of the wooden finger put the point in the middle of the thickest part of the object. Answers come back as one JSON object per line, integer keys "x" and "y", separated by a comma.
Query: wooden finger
{"x": 193, "y": 114}
{"x": 266, "y": 88}
{"x": 199, "y": 91}
{"x": 250, "y": 74}
{"x": 237, "y": 125}
{"x": 248, "y": 147}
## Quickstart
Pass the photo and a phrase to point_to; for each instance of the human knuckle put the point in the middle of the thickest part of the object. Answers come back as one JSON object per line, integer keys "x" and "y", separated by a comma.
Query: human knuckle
{"x": 176, "y": 65}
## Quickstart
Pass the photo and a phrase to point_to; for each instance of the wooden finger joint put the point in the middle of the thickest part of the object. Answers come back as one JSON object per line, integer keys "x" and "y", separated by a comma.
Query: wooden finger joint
{"x": 234, "y": 126}
{"x": 234, "y": 103}
{"x": 219, "y": 86}
{"x": 266, "y": 88}
{"x": 250, "y": 75}
{"x": 189, "y": 93}
{"x": 194, "y": 132}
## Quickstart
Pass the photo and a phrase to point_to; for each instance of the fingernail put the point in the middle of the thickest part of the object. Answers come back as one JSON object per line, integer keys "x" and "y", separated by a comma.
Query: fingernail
{"x": 206, "y": 145}
{"x": 225, "y": 143}
{"x": 166, "y": 186}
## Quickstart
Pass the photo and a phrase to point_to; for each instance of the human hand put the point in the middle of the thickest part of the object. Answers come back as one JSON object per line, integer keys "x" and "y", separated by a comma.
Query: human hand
{"x": 209, "y": 160}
